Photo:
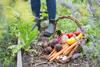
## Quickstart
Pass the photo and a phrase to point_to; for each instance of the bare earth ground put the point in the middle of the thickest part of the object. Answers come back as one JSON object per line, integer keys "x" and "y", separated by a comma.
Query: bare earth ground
{"x": 38, "y": 62}
{"x": 33, "y": 59}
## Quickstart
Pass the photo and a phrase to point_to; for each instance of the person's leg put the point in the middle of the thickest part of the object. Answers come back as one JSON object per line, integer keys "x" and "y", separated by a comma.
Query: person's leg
{"x": 35, "y": 6}
{"x": 51, "y": 8}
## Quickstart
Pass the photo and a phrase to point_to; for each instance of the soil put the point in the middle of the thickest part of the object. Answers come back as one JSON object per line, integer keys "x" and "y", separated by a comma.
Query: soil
{"x": 34, "y": 59}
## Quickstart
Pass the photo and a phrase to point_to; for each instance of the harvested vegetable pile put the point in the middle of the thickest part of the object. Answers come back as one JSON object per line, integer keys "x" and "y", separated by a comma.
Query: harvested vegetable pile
{"x": 63, "y": 46}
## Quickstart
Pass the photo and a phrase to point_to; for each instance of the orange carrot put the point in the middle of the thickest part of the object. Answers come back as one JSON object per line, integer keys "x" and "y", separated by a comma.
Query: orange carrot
{"x": 75, "y": 48}
{"x": 67, "y": 52}
{"x": 52, "y": 55}
{"x": 59, "y": 53}
{"x": 52, "y": 52}
{"x": 66, "y": 48}
{"x": 70, "y": 50}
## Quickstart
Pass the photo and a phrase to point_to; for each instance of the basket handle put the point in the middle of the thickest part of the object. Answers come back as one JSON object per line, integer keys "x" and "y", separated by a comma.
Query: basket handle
{"x": 73, "y": 19}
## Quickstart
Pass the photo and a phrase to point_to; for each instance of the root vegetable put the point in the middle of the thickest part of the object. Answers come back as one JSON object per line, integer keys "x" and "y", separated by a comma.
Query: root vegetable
{"x": 59, "y": 53}
{"x": 72, "y": 52}
{"x": 52, "y": 52}
{"x": 70, "y": 48}
{"x": 52, "y": 55}
{"x": 47, "y": 50}
{"x": 67, "y": 48}
{"x": 53, "y": 43}
{"x": 58, "y": 47}
{"x": 66, "y": 52}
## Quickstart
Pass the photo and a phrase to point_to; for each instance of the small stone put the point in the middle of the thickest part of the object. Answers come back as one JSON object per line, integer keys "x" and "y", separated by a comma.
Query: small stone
{"x": 75, "y": 56}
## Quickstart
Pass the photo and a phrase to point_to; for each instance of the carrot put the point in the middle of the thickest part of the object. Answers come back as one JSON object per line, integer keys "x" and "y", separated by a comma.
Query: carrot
{"x": 58, "y": 53}
{"x": 66, "y": 48}
{"x": 70, "y": 48}
{"x": 67, "y": 52}
{"x": 51, "y": 52}
{"x": 52, "y": 55}
{"x": 71, "y": 53}
{"x": 55, "y": 52}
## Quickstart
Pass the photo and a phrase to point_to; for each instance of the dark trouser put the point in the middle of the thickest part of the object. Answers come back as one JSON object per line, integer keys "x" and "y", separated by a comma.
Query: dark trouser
{"x": 51, "y": 8}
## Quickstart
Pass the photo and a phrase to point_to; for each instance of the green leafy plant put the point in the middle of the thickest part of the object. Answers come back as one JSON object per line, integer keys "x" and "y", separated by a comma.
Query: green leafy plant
{"x": 25, "y": 36}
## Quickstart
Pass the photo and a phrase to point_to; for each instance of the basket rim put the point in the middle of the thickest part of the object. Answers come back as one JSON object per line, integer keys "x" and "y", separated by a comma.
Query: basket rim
{"x": 76, "y": 21}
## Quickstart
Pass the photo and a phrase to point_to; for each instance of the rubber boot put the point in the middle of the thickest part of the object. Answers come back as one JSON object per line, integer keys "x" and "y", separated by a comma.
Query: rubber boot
{"x": 37, "y": 20}
{"x": 50, "y": 29}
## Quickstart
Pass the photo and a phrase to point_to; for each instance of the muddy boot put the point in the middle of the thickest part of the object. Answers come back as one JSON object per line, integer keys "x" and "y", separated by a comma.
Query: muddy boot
{"x": 50, "y": 29}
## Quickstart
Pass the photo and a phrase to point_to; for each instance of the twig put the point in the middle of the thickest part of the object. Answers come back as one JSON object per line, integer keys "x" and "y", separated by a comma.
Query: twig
{"x": 40, "y": 63}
